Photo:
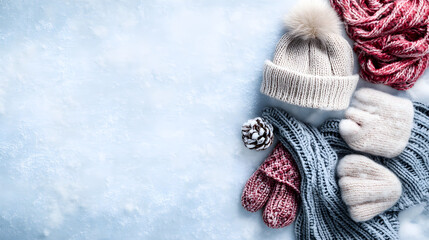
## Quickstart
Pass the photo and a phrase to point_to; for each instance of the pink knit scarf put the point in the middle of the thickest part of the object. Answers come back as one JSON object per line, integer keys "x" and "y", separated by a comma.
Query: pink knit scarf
{"x": 391, "y": 38}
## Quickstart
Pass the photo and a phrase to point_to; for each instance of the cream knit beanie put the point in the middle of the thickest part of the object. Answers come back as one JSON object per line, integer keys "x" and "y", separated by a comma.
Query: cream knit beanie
{"x": 313, "y": 63}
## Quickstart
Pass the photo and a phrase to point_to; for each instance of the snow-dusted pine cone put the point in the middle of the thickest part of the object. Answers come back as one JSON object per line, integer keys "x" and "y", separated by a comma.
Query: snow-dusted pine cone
{"x": 257, "y": 134}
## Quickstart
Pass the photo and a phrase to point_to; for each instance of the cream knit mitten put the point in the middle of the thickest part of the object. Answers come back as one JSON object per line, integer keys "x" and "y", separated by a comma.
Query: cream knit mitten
{"x": 367, "y": 188}
{"x": 378, "y": 123}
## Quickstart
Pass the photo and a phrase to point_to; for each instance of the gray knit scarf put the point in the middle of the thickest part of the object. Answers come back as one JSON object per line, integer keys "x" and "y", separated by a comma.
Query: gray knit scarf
{"x": 323, "y": 215}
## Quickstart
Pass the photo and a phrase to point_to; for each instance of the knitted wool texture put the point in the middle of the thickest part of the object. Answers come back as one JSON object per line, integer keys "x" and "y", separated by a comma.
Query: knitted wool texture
{"x": 323, "y": 214}
{"x": 378, "y": 123}
{"x": 275, "y": 185}
{"x": 311, "y": 72}
{"x": 391, "y": 38}
{"x": 367, "y": 188}
{"x": 411, "y": 166}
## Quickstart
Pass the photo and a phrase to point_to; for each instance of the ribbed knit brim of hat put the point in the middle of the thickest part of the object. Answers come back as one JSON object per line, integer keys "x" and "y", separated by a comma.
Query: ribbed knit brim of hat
{"x": 305, "y": 90}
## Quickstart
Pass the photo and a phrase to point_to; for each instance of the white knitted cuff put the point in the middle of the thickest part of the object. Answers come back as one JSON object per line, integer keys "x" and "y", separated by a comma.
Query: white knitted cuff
{"x": 324, "y": 92}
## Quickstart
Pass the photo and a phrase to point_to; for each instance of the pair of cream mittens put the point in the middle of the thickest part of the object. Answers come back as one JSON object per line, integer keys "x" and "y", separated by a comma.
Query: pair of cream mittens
{"x": 378, "y": 124}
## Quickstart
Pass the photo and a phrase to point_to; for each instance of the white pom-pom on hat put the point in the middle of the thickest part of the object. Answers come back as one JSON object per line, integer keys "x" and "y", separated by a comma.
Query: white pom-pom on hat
{"x": 312, "y": 19}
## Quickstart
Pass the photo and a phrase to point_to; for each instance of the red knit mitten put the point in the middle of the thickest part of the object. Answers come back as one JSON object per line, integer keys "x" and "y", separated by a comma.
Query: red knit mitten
{"x": 274, "y": 185}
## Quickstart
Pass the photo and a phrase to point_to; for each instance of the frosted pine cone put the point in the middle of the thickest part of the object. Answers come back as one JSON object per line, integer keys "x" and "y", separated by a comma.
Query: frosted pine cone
{"x": 257, "y": 134}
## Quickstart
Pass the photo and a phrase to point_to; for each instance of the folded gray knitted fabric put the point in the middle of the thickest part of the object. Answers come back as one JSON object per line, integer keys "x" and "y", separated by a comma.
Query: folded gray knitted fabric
{"x": 323, "y": 215}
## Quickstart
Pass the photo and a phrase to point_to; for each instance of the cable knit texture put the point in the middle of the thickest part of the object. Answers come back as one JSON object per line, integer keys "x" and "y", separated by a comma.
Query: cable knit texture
{"x": 274, "y": 185}
{"x": 323, "y": 214}
{"x": 391, "y": 38}
{"x": 367, "y": 188}
{"x": 378, "y": 123}
{"x": 311, "y": 72}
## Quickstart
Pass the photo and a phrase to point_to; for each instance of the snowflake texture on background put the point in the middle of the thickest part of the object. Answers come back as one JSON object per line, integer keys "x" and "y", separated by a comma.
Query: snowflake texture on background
{"x": 122, "y": 119}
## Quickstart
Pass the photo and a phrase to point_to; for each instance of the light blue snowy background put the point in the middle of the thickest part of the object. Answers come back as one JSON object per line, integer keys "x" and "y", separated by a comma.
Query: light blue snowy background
{"x": 121, "y": 119}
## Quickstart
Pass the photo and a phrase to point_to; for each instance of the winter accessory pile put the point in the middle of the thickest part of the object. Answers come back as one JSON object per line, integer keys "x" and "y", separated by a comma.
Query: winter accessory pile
{"x": 313, "y": 63}
{"x": 323, "y": 214}
{"x": 391, "y": 38}
{"x": 257, "y": 134}
{"x": 359, "y": 196}
{"x": 378, "y": 123}
{"x": 274, "y": 185}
